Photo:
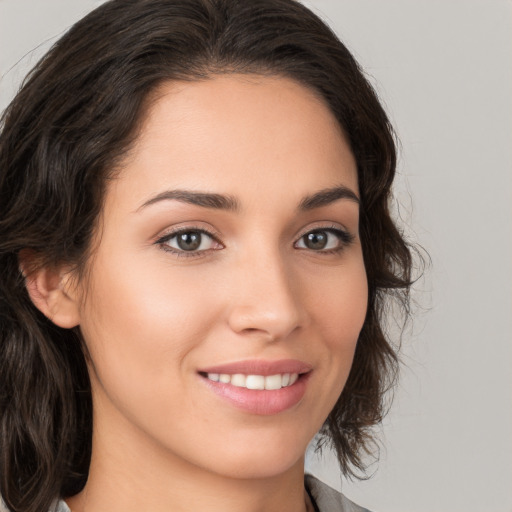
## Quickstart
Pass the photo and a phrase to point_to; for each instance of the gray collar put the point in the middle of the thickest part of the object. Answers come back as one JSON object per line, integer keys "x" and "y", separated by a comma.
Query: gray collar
{"x": 328, "y": 499}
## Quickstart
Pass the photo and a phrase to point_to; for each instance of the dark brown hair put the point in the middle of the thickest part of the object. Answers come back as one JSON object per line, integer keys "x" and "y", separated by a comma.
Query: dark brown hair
{"x": 62, "y": 136}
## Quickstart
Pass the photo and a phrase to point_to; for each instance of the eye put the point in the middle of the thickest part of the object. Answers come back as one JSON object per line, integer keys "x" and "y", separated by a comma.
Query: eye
{"x": 325, "y": 240}
{"x": 189, "y": 241}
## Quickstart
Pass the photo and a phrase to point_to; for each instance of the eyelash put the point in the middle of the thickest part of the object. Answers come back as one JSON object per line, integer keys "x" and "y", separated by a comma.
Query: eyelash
{"x": 162, "y": 242}
{"x": 345, "y": 240}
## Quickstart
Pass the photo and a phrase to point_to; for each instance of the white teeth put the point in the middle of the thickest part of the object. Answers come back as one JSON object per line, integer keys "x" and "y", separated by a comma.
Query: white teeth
{"x": 269, "y": 382}
{"x": 255, "y": 382}
{"x": 273, "y": 382}
{"x": 238, "y": 380}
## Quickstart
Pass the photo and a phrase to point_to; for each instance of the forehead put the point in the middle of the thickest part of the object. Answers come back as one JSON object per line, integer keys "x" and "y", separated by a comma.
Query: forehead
{"x": 235, "y": 134}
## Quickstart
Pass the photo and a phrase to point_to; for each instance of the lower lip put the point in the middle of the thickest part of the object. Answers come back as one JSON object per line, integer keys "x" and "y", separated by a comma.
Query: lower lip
{"x": 262, "y": 402}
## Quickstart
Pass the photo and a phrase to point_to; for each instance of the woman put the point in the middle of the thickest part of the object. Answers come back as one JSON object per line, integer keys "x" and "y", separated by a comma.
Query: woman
{"x": 196, "y": 254}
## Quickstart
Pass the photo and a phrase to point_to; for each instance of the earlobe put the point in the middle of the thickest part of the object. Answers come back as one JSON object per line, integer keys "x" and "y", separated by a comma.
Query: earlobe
{"x": 51, "y": 292}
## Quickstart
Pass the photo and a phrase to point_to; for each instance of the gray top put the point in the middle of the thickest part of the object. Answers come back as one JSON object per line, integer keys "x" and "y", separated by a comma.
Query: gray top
{"x": 325, "y": 499}
{"x": 61, "y": 507}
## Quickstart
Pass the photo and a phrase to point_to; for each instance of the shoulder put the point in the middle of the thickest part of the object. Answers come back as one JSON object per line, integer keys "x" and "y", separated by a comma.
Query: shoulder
{"x": 328, "y": 499}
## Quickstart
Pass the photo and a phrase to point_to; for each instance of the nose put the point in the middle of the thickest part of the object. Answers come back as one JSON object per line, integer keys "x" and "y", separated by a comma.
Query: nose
{"x": 265, "y": 300}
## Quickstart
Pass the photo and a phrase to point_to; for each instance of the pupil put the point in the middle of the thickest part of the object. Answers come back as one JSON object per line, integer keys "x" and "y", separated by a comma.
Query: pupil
{"x": 189, "y": 241}
{"x": 316, "y": 240}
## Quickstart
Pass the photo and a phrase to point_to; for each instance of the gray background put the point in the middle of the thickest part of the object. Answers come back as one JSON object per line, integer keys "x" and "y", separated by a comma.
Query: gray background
{"x": 443, "y": 68}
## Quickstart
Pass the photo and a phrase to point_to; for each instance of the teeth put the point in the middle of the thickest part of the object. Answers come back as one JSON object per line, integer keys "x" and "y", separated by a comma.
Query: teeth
{"x": 255, "y": 382}
{"x": 238, "y": 380}
{"x": 273, "y": 382}
{"x": 270, "y": 382}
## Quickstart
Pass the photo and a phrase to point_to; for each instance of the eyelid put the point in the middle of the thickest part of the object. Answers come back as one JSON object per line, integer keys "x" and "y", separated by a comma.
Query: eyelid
{"x": 177, "y": 230}
{"x": 187, "y": 225}
{"x": 346, "y": 238}
{"x": 327, "y": 226}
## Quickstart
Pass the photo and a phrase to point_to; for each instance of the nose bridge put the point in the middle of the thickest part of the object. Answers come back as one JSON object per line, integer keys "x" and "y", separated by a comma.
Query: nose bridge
{"x": 266, "y": 300}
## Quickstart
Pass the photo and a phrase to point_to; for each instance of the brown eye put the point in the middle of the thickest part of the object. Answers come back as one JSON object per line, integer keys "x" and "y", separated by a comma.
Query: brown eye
{"x": 190, "y": 240}
{"x": 316, "y": 240}
{"x": 325, "y": 240}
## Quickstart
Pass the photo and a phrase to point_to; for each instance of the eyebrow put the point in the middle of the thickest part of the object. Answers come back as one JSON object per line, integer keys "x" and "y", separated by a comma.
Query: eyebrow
{"x": 204, "y": 199}
{"x": 225, "y": 202}
{"x": 327, "y": 196}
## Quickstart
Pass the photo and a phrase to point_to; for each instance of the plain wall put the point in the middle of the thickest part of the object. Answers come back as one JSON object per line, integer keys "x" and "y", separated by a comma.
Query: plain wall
{"x": 443, "y": 68}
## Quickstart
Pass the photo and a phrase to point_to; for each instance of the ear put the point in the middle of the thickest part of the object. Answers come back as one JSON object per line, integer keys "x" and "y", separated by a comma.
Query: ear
{"x": 52, "y": 291}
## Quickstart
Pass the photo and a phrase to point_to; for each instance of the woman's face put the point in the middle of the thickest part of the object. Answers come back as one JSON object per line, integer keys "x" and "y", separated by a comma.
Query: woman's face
{"x": 229, "y": 259}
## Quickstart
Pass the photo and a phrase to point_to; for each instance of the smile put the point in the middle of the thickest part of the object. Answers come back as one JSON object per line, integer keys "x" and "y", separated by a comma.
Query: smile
{"x": 259, "y": 382}
{"x": 258, "y": 386}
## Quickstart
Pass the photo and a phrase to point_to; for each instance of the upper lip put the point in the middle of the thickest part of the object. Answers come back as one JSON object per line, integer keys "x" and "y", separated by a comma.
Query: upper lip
{"x": 259, "y": 367}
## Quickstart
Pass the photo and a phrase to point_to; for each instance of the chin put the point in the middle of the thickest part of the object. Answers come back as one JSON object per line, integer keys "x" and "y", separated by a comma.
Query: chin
{"x": 261, "y": 461}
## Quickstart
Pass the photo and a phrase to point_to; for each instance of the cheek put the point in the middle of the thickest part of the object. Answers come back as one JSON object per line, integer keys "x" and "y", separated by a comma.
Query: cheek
{"x": 339, "y": 315}
{"x": 340, "y": 309}
{"x": 140, "y": 325}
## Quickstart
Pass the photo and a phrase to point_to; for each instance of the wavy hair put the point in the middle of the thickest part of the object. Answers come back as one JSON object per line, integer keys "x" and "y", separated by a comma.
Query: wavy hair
{"x": 72, "y": 121}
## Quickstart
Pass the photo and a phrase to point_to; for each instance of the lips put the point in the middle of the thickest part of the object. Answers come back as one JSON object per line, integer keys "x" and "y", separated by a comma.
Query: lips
{"x": 259, "y": 387}
{"x": 260, "y": 367}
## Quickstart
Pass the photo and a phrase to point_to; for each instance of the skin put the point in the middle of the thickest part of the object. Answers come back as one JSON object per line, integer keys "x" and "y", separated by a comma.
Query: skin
{"x": 152, "y": 317}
